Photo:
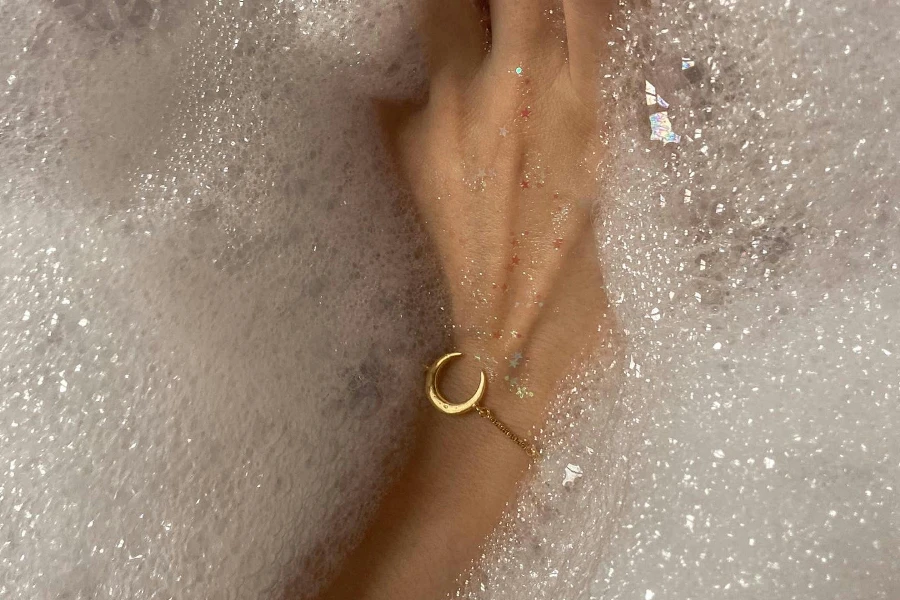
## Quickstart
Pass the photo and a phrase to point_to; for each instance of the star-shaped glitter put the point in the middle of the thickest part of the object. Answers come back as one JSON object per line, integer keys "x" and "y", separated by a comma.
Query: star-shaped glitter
{"x": 522, "y": 391}
{"x": 514, "y": 361}
{"x": 504, "y": 131}
{"x": 526, "y": 112}
{"x": 515, "y": 259}
{"x": 525, "y": 184}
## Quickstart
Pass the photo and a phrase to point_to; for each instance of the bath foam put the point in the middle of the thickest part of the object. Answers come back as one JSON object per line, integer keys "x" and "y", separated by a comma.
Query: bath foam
{"x": 214, "y": 305}
{"x": 207, "y": 301}
{"x": 749, "y": 448}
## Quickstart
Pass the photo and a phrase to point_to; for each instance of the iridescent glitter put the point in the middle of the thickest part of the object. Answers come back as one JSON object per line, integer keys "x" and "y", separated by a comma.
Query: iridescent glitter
{"x": 661, "y": 129}
{"x": 650, "y": 93}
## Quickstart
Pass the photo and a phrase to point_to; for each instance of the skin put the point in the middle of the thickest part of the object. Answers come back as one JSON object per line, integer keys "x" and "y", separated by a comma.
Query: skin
{"x": 503, "y": 167}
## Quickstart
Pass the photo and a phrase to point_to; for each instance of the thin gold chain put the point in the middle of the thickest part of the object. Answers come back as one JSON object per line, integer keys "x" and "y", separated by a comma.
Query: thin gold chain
{"x": 450, "y": 408}
{"x": 488, "y": 414}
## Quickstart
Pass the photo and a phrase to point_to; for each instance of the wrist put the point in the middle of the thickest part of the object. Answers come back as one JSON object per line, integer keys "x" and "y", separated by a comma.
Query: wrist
{"x": 517, "y": 397}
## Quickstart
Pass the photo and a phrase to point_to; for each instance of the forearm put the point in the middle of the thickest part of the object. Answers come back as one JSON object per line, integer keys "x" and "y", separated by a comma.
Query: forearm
{"x": 462, "y": 472}
{"x": 461, "y": 476}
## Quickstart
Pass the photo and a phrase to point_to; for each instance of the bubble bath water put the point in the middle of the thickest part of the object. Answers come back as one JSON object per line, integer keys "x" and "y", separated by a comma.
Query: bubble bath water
{"x": 214, "y": 305}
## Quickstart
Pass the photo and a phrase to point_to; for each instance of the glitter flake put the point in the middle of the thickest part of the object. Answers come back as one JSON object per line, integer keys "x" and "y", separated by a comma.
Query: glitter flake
{"x": 661, "y": 129}
{"x": 572, "y": 474}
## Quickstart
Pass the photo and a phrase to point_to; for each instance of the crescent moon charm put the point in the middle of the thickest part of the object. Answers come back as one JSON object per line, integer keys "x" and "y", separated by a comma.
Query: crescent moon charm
{"x": 438, "y": 400}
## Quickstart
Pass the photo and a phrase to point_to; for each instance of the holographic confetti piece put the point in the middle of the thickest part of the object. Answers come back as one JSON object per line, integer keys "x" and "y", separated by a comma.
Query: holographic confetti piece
{"x": 504, "y": 131}
{"x": 650, "y": 91}
{"x": 687, "y": 63}
{"x": 573, "y": 473}
{"x": 519, "y": 71}
{"x": 515, "y": 360}
{"x": 661, "y": 129}
{"x": 652, "y": 97}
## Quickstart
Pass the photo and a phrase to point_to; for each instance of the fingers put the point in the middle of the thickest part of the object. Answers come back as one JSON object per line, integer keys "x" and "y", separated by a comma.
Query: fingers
{"x": 454, "y": 34}
{"x": 522, "y": 28}
{"x": 587, "y": 29}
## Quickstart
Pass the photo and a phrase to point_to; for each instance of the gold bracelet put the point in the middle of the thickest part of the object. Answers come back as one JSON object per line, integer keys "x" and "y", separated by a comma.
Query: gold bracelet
{"x": 441, "y": 403}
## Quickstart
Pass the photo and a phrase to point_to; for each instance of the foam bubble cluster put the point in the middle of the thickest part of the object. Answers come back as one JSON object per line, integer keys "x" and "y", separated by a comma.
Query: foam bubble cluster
{"x": 214, "y": 305}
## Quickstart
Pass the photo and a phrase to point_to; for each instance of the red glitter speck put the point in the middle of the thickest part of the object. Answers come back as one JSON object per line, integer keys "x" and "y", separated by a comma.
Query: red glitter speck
{"x": 496, "y": 335}
{"x": 526, "y": 112}
{"x": 557, "y": 243}
{"x": 525, "y": 184}
{"x": 515, "y": 260}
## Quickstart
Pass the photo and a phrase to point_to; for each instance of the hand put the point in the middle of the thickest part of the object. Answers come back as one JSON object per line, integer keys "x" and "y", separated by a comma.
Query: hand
{"x": 502, "y": 161}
